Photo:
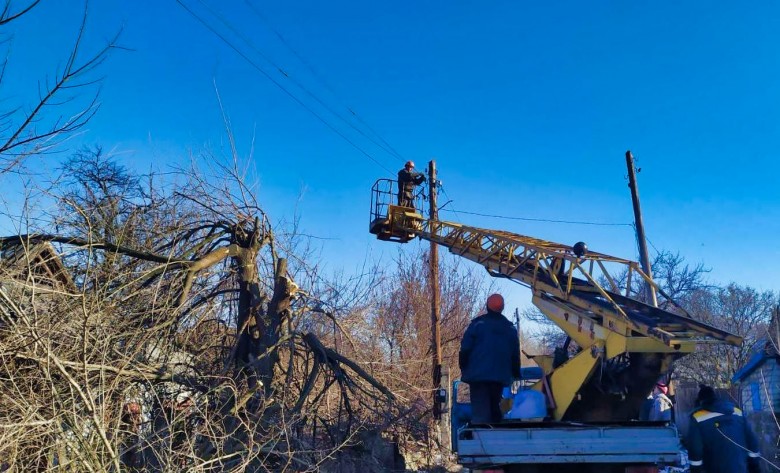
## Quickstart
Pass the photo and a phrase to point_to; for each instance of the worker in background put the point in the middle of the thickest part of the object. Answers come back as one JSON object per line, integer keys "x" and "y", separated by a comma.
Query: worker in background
{"x": 489, "y": 360}
{"x": 719, "y": 439}
{"x": 661, "y": 409}
{"x": 407, "y": 179}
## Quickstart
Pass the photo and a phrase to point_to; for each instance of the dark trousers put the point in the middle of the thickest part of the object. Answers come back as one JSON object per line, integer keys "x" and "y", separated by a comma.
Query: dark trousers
{"x": 406, "y": 199}
{"x": 485, "y": 400}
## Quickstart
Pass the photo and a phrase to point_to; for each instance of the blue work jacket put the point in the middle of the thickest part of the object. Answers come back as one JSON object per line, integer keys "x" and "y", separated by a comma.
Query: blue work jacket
{"x": 720, "y": 440}
{"x": 490, "y": 351}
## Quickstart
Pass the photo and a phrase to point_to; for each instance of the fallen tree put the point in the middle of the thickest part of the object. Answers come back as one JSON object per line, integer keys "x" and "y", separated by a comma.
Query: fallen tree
{"x": 163, "y": 330}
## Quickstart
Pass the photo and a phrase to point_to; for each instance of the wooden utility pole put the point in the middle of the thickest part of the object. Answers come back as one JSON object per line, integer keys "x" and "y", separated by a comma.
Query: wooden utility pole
{"x": 640, "y": 227}
{"x": 517, "y": 323}
{"x": 776, "y": 323}
{"x": 434, "y": 280}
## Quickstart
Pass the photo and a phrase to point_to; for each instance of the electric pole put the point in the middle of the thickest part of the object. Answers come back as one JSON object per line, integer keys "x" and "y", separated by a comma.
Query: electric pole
{"x": 434, "y": 279}
{"x": 640, "y": 227}
{"x": 435, "y": 302}
{"x": 441, "y": 392}
{"x": 517, "y": 324}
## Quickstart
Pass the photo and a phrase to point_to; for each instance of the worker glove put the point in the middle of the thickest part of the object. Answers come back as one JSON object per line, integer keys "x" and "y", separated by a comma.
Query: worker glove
{"x": 515, "y": 386}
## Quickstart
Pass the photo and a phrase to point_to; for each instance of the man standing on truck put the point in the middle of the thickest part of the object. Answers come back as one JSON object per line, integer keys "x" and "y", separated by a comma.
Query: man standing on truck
{"x": 407, "y": 179}
{"x": 489, "y": 360}
{"x": 719, "y": 439}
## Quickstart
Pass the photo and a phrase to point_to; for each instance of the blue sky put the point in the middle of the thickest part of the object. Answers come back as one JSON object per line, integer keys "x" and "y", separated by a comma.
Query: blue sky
{"x": 527, "y": 107}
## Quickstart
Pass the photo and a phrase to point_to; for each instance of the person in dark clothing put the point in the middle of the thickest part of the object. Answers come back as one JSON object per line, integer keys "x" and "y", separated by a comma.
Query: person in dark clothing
{"x": 719, "y": 439}
{"x": 407, "y": 179}
{"x": 489, "y": 360}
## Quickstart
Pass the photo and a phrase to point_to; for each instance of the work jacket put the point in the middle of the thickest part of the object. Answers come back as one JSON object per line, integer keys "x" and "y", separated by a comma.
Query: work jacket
{"x": 407, "y": 179}
{"x": 490, "y": 351}
{"x": 661, "y": 409}
{"x": 720, "y": 440}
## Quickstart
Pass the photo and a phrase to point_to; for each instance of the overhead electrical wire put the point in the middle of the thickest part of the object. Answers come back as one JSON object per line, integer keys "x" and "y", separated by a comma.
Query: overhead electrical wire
{"x": 280, "y": 86}
{"x": 648, "y": 240}
{"x": 289, "y": 77}
{"x": 449, "y": 201}
{"x": 320, "y": 78}
{"x": 384, "y": 145}
{"x": 529, "y": 219}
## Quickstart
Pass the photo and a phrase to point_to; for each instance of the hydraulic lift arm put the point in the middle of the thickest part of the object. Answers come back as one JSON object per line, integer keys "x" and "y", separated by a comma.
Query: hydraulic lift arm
{"x": 626, "y": 344}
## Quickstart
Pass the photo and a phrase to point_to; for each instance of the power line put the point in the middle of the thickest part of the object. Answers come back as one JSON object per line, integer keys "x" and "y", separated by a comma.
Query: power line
{"x": 321, "y": 79}
{"x": 289, "y": 77}
{"x": 651, "y": 244}
{"x": 449, "y": 201}
{"x": 279, "y": 85}
{"x": 529, "y": 219}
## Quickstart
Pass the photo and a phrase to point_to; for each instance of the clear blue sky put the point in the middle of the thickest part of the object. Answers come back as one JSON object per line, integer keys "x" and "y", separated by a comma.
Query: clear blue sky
{"x": 528, "y": 109}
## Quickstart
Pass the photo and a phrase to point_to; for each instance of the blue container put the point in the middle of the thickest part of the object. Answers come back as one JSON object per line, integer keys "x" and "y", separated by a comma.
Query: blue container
{"x": 528, "y": 404}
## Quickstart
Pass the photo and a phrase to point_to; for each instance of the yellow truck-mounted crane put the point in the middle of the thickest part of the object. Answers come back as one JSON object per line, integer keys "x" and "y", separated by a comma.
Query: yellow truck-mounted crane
{"x": 626, "y": 344}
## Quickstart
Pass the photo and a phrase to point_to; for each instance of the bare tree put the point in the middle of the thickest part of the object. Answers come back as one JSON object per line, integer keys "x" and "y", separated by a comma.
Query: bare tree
{"x": 185, "y": 352}
{"x": 677, "y": 279}
{"x": 398, "y": 333}
{"x": 738, "y": 309}
{"x": 33, "y": 128}
{"x": 99, "y": 197}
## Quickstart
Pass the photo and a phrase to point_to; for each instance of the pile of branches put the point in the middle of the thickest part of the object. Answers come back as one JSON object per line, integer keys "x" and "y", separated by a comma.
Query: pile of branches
{"x": 90, "y": 384}
{"x": 168, "y": 334}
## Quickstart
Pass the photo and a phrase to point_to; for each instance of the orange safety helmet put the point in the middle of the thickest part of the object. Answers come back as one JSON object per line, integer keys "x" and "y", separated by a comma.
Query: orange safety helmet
{"x": 495, "y": 303}
{"x": 409, "y": 164}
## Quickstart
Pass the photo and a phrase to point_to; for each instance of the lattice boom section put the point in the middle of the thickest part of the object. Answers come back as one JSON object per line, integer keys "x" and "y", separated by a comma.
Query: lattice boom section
{"x": 532, "y": 260}
{"x": 555, "y": 270}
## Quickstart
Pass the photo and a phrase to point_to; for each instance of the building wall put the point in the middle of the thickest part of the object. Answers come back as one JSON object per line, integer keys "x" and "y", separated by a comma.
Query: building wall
{"x": 761, "y": 404}
{"x": 761, "y": 390}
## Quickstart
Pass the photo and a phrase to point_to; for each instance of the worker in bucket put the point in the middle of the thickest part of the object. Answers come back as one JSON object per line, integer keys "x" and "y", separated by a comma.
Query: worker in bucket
{"x": 407, "y": 179}
{"x": 719, "y": 439}
{"x": 489, "y": 360}
{"x": 661, "y": 409}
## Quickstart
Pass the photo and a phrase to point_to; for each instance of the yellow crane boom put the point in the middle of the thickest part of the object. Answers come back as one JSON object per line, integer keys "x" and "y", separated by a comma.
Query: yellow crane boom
{"x": 626, "y": 344}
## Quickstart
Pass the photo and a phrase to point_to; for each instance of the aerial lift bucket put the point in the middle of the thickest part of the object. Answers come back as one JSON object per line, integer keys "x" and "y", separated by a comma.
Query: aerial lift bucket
{"x": 391, "y": 222}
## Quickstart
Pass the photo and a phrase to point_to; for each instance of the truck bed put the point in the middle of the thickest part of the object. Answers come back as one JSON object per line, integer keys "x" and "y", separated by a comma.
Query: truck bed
{"x": 561, "y": 442}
